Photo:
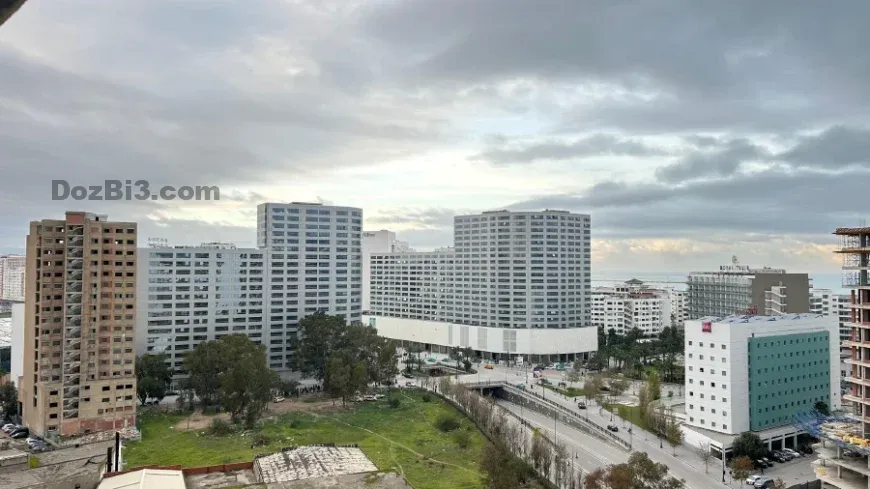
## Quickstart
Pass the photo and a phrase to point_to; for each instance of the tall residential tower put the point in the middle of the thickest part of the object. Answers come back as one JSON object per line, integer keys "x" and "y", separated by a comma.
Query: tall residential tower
{"x": 79, "y": 325}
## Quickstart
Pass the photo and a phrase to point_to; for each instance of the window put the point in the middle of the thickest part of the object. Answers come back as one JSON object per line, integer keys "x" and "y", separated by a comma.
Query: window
{"x": 723, "y": 346}
{"x": 724, "y": 426}
{"x": 724, "y": 413}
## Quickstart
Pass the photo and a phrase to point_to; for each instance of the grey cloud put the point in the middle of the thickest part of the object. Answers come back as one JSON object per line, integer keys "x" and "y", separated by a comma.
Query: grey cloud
{"x": 723, "y": 161}
{"x": 595, "y": 145}
{"x": 773, "y": 201}
{"x": 836, "y": 147}
{"x": 427, "y": 218}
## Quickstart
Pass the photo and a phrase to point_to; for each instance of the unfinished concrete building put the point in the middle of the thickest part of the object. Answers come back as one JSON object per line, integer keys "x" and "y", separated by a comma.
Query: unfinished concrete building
{"x": 79, "y": 326}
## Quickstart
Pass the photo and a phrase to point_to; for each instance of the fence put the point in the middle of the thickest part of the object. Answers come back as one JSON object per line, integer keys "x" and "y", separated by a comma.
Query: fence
{"x": 816, "y": 484}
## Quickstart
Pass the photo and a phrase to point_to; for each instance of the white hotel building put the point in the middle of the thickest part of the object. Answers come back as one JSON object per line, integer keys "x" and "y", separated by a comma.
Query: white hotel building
{"x": 308, "y": 259}
{"x": 754, "y": 373}
{"x": 516, "y": 284}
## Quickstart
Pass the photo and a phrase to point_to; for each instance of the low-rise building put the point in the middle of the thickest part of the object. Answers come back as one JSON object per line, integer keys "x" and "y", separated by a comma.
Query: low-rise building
{"x": 631, "y": 305}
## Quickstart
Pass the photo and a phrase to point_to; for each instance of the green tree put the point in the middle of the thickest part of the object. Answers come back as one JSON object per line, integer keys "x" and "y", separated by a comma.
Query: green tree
{"x": 9, "y": 398}
{"x": 319, "y": 335}
{"x": 674, "y": 434}
{"x": 574, "y": 374}
{"x": 822, "y": 408}
{"x": 748, "y": 445}
{"x": 638, "y": 473}
{"x": 153, "y": 376}
{"x": 741, "y": 467}
{"x": 287, "y": 387}
{"x": 345, "y": 376}
{"x": 204, "y": 366}
{"x": 246, "y": 386}
{"x": 654, "y": 386}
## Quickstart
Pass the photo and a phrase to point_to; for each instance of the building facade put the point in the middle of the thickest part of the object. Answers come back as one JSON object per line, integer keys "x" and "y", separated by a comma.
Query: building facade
{"x": 679, "y": 306}
{"x": 12, "y": 272}
{"x": 631, "y": 305}
{"x": 188, "y": 295}
{"x": 738, "y": 289}
{"x": 519, "y": 287}
{"x": 314, "y": 263}
{"x": 376, "y": 242}
{"x": 79, "y": 326}
{"x": 754, "y": 373}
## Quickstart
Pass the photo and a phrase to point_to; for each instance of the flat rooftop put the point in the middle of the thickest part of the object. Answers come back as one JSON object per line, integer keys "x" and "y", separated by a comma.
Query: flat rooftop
{"x": 311, "y": 462}
{"x": 759, "y": 319}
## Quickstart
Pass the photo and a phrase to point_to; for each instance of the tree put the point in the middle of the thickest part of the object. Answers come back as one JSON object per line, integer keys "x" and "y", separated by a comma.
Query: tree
{"x": 319, "y": 335}
{"x": 822, "y": 408}
{"x": 246, "y": 386}
{"x": 287, "y": 387}
{"x": 674, "y": 434}
{"x": 386, "y": 368}
{"x": 741, "y": 467}
{"x": 153, "y": 376}
{"x": 654, "y": 386}
{"x": 704, "y": 454}
{"x": 204, "y": 365}
{"x": 501, "y": 469}
{"x": 779, "y": 483}
{"x": 345, "y": 376}
{"x": 9, "y": 398}
{"x": 638, "y": 473}
{"x": 574, "y": 374}
{"x": 748, "y": 445}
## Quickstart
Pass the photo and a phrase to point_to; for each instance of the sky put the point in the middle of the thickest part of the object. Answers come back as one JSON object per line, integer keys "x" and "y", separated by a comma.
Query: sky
{"x": 690, "y": 130}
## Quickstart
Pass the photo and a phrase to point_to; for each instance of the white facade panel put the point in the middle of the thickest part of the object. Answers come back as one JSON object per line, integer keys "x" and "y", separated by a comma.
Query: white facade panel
{"x": 16, "y": 368}
{"x": 527, "y": 341}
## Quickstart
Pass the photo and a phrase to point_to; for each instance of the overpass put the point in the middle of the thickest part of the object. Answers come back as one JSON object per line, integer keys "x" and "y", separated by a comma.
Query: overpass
{"x": 558, "y": 413}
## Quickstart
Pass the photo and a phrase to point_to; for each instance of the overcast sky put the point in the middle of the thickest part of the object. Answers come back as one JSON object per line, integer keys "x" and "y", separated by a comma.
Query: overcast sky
{"x": 691, "y": 130}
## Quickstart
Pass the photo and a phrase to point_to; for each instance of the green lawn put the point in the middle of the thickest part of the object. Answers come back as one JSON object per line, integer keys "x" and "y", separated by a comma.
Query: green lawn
{"x": 566, "y": 391}
{"x": 630, "y": 413}
{"x": 403, "y": 440}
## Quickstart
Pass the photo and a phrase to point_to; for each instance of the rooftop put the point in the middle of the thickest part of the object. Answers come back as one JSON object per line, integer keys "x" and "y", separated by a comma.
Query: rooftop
{"x": 145, "y": 479}
{"x": 852, "y": 231}
{"x": 312, "y": 462}
{"x": 737, "y": 319}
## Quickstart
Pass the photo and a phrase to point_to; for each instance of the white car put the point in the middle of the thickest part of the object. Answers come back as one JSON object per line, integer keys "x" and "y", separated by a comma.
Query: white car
{"x": 794, "y": 453}
{"x": 278, "y": 399}
{"x": 751, "y": 479}
{"x": 370, "y": 398}
{"x": 379, "y": 396}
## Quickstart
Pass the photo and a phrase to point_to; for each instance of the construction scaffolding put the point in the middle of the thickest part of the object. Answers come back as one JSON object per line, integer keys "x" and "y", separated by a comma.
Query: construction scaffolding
{"x": 843, "y": 431}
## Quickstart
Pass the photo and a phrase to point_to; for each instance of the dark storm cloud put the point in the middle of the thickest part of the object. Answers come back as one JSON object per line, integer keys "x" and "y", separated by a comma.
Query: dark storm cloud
{"x": 595, "y": 145}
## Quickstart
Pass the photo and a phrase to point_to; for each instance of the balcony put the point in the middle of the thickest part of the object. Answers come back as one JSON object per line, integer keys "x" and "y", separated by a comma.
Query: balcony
{"x": 74, "y": 310}
{"x": 75, "y": 231}
{"x": 73, "y": 299}
{"x": 70, "y": 414}
{"x": 74, "y": 264}
{"x": 73, "y": 368}
{"x": 70, "y": 392}
{"x": 72, "y": 332}
{"x": 75, "y": 253}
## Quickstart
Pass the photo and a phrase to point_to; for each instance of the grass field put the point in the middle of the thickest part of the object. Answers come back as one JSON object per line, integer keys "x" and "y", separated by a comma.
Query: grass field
{"x": 630, "y": 413}
{"x": 403, "y": 440}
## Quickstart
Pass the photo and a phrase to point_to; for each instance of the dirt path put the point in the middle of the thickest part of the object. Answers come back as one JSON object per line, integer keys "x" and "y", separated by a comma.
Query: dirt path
{"x": 199, "y": 421}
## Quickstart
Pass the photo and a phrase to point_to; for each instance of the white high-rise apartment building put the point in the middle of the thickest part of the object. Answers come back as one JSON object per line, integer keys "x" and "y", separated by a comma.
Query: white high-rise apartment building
{"x": 414, "y": 285}
{"x": 192, "y": 294}
{"x": 314, "y": 263}
{"x": 519, "y": 287}
{"x": 754, "y": 373}
{"x": 679, "y": 306}
{"x": 12, "y": 277}
{"x": 375, "y": 242}
{"x": 631, "y": 305}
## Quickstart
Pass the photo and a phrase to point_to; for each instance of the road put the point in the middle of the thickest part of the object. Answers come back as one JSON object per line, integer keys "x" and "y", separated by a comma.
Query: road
{"x": 594, "y": 453}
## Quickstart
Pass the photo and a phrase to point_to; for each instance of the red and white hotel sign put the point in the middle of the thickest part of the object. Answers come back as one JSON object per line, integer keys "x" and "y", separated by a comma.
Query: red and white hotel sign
{"x": 707, "y": 327}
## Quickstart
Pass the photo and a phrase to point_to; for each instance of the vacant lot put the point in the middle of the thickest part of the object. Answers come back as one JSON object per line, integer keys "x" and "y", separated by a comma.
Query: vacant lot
{"x": 404, "y": 440}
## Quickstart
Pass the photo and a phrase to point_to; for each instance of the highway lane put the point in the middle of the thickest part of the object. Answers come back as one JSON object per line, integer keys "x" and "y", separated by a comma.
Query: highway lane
{"x": 589, "y": 453}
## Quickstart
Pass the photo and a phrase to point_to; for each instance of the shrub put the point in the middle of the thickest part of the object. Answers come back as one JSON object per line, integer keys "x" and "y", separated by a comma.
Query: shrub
{"x": 33, "y": 462}
{"x": 462, "y": 438}
{"x": 394, "y": 402}
{"x": 220, "y": 427}
{"x": 427, "y": 397}
{"x": 260, "y": 440}
{"x": 295, "y": 423}
{"x": 446, "y": 423}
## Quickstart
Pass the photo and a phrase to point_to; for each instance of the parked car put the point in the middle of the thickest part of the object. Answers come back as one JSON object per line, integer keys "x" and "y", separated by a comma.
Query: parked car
{"x": 751, "y": 479}
{"x": 8, "y": 426}
{"x": 786, "y": 455}
{"x": 488, "y": 366}
{"x": 763, "y": 483}
{"x": 407, "y": 375}
{"x": 379, "y": 396}
{"x": 356, "y": 399}
{"x": 778, "y": 457}
{"x": 613, "y": 428}
{"x": 17, "y": 435}
{"x": 370, "y": 398}
{"x": 581, "y": 405}
{"x": 278, "y": 399}
{"x": 794, "y": 453}
{"x": 767, "y": 461}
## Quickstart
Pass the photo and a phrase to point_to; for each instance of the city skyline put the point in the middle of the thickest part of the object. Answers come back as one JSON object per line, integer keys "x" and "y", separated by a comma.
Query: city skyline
{"x": 732, "y": 144}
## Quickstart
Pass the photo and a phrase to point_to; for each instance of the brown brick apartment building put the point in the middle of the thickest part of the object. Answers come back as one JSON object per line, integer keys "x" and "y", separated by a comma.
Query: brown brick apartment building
{"x": 80, "y": 307}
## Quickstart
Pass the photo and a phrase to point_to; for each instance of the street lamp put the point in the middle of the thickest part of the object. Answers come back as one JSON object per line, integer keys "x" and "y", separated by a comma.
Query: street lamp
{"x": 660, "y": 441}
